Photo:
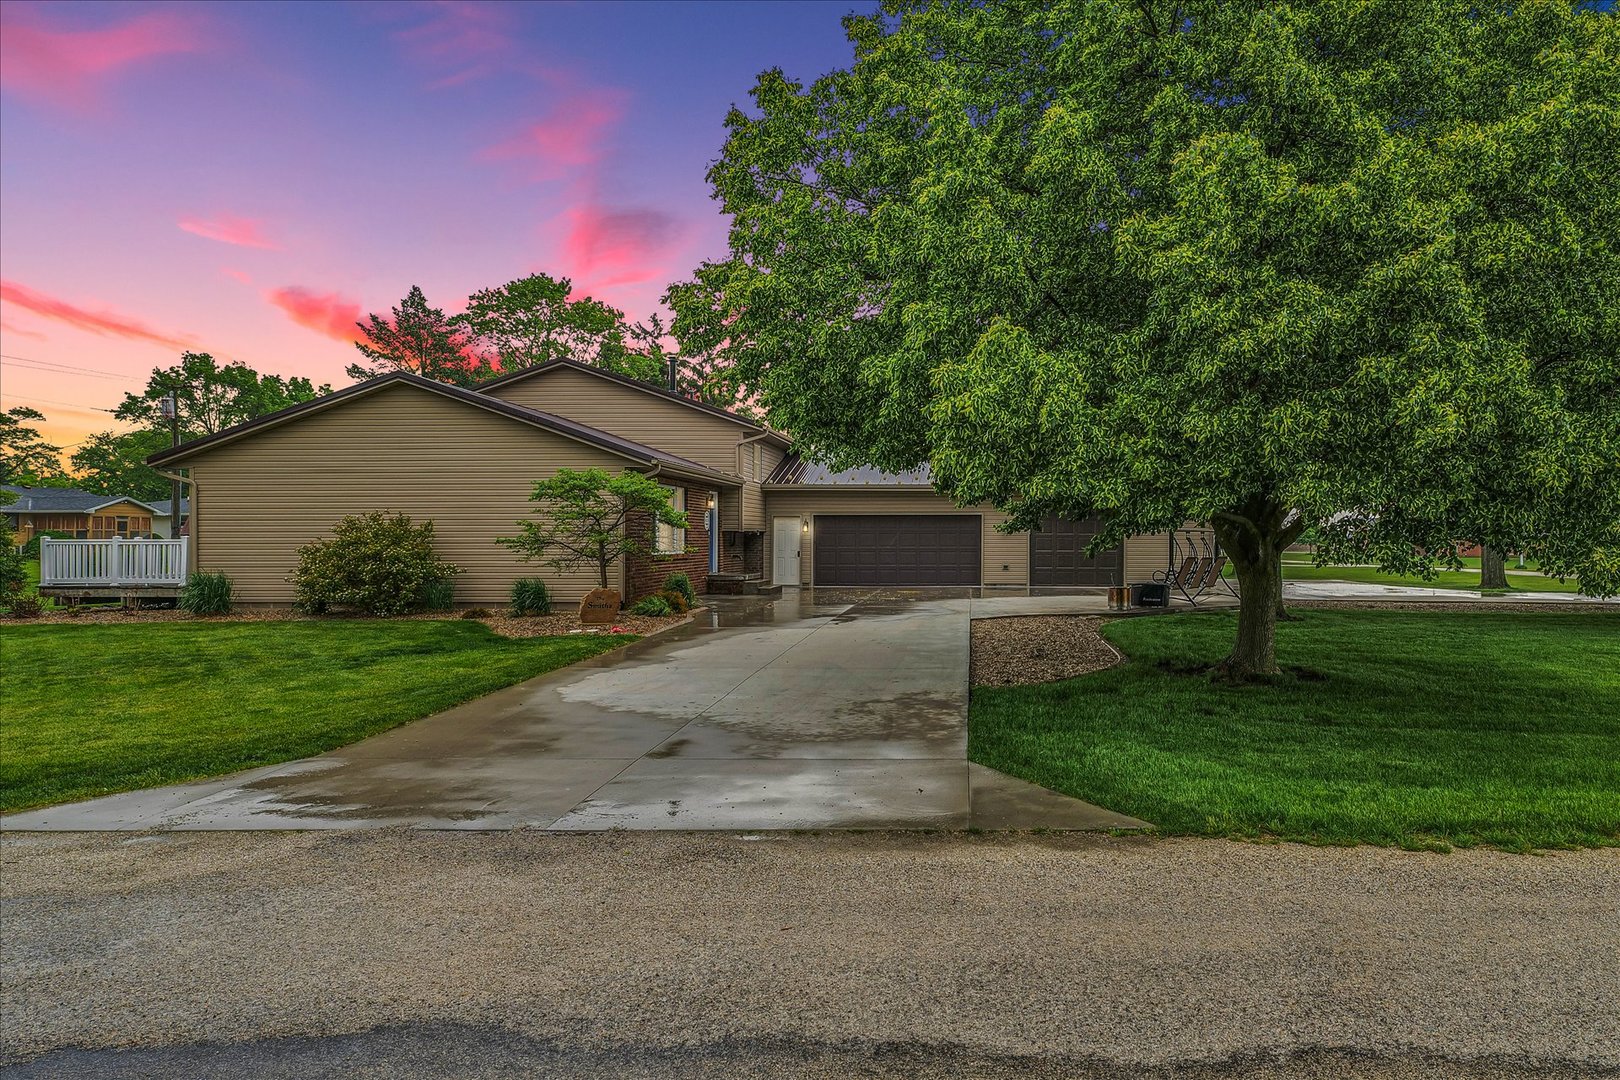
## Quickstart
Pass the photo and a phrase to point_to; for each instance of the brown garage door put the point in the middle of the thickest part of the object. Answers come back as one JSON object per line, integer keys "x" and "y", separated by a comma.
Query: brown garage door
{"x": 1057, "y": 555}
{"x": 897, "y": 549}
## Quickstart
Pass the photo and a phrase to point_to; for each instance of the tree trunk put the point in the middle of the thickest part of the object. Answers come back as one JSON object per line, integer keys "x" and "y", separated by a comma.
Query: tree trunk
{"x": 1254, "y": 539}
{"x": 1492, "y": 569}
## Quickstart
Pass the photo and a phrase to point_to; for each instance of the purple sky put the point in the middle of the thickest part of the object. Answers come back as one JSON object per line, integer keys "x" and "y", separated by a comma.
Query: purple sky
{"x": 246, "y": 179}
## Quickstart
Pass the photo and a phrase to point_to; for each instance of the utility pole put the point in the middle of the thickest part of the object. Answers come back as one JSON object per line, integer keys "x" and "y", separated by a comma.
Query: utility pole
{"x": 171, "y": 412}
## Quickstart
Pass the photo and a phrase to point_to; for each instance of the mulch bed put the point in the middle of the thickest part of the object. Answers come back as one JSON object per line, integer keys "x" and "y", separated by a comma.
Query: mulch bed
{"x": 506, "y": 625}
{"x": 1025, "y": 649}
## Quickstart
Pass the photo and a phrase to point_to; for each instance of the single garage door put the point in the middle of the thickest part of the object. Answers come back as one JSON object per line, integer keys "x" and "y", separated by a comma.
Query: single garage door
{"x": 1057, "y": 555}
{"x": 897, "y": 549}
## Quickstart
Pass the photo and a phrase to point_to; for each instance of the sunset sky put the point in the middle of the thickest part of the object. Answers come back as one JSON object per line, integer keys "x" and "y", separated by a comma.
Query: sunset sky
{"x": 247, "y": 179}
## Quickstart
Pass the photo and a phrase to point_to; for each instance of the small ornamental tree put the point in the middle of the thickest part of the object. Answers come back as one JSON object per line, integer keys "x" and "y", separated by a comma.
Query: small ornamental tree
{"x": 591, "y": 517}
{"x": 1345, "y": 264}
{"x": 378, "y": 563}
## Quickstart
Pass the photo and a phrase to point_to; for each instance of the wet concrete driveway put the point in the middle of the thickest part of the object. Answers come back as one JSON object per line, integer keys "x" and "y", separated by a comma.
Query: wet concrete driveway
{"x": 829, "y": 711}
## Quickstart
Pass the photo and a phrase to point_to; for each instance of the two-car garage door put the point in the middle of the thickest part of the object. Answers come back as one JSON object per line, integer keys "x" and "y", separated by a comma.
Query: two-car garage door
{"x": 898, "y": 549}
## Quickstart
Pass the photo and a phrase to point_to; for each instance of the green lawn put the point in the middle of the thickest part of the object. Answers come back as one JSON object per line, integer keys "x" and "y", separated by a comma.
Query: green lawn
{"x": 89, "y": 710}
{"x": 1297, "y": 567}
{"x": 1416, "y": 729}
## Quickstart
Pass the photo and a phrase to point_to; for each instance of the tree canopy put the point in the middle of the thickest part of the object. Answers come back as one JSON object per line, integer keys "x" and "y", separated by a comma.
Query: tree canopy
{"x": 114, "y": 463}
{"x": 537, "y": 318}
{"x": 419, "y": 339}
{"x": 211, "y": 397}
{"x": 25, "y": 457}
{"x": 1351, "y": 265}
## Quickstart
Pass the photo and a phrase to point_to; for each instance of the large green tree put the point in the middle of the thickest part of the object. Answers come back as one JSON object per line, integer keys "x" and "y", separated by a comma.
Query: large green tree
{"x": 1351, "y": 264}
{"x": 537, "y": 318}
{"x": 420, "y": 339}
{"x": 114, "y": 463}
{"x": 25, "y": 457}
{"x": 212, "y": 396}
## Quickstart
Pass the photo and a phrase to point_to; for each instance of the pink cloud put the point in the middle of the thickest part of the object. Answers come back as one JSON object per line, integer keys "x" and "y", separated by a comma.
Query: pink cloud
{"x": 605, "y": 247}
{"x": 68, "y": 66}
{"x": 325, "y": 313}
{"x": 105, "y": 323}
{"x": 465, "y": 40}
{"x": 243, "y": 232}
{"x": 570, "y": 136}
{"x": 237, "y": 275}
{"x": 8, "y": 328}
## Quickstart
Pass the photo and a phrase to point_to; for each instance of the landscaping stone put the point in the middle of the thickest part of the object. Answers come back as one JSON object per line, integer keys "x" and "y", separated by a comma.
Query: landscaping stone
{"x": 1019, "y": 650}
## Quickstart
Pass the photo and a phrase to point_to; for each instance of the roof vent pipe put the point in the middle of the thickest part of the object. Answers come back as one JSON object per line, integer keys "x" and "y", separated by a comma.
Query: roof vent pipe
{"x": 674, "y": 374}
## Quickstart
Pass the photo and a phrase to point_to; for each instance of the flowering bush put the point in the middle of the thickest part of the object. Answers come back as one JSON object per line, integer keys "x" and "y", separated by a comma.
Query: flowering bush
{"x": 378, "y": 563}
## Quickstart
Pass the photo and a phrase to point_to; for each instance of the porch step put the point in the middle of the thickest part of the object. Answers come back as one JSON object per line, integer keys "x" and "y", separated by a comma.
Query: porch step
{"x": 742, "y": 585}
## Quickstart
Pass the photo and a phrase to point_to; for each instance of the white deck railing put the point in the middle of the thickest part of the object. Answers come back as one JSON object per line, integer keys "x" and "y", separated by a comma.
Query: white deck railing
{"x": 112, "y": 562}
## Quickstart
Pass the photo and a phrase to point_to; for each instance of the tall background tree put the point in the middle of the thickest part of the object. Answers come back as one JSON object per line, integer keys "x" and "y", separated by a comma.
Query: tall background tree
{"x": 419, "y": 339}
{"x": 114, "y": 463}
{"x": 26, "y": 458}
{"x": 535, "y": 319}
{"x": 211, "y": 397}
{"x": 1344, "y": 264}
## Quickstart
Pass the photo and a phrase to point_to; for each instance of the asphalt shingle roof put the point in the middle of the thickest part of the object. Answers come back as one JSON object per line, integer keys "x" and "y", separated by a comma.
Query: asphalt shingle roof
{"x": 48, "y": 500}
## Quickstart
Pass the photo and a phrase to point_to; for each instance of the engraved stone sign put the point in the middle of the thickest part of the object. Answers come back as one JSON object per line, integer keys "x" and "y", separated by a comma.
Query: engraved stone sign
{"x": 600, "y": 607}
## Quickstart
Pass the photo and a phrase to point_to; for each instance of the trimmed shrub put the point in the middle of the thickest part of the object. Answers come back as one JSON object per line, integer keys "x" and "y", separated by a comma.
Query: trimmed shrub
{"x": 30, "y": 550}
{"x": 206, "y": 594}
{"x": 652, "y": 605}
{"x": 13, "y": 576}
{"x": 439, "y": 595}
{"x": 678, "y": 582}
{"x": 377, "y": 563}
{"x": 25, "y": 606}
{"x": 530, "y": 597}
{"x": 676, "y": 601}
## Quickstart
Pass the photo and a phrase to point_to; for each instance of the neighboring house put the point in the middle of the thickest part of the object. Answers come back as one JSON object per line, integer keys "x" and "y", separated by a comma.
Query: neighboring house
{"x": 468, "y": 459}
{"x": 161, "y": 521}
{"x": 82, "y": 514}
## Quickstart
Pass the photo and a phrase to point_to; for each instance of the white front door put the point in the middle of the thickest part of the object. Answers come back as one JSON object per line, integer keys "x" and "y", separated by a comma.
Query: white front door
{"x": 785, "y": 551}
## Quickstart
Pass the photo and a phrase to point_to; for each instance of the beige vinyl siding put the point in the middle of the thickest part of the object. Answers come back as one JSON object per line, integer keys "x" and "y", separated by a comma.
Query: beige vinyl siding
{"x": 1149, "y": 553}
{"x": 259, "y": 498}
{"x": 753, "y": 506}
{"x": 730, "y": 509}
{"x": 630, "y": 414}
{"x": 998, "y": 549}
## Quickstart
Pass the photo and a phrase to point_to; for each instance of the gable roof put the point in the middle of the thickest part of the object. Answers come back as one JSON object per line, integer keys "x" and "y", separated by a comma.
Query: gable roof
{"x": 798, "y": 471}
{"x": 49, "y": 500}
{"x": 571, "y": 429}
{"x": 635, "y": 384}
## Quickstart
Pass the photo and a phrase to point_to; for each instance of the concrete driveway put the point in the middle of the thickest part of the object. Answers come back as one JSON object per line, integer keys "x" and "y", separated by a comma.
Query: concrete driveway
{"x": 829, "y": 711}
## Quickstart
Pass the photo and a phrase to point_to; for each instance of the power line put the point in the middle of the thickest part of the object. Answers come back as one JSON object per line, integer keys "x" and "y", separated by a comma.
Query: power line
{"x": 70, "y": 367}
{"x": 67, "y": 371}
{"x": 46, "y": 400}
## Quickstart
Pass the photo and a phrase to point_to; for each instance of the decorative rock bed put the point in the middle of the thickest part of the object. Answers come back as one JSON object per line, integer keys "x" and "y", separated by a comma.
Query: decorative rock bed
{"x": 1019, "y": 650}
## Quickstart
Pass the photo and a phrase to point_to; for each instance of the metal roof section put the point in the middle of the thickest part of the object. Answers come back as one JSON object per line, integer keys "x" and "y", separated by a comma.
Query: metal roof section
{"x": 797, "y": 471}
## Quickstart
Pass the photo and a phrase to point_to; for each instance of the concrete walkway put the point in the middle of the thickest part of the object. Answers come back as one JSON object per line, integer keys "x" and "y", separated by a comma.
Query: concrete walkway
{"x": 809, "y": 712}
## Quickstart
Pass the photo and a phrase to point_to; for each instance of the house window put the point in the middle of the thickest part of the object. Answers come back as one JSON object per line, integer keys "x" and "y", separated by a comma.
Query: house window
{"x": 670, "y": 540}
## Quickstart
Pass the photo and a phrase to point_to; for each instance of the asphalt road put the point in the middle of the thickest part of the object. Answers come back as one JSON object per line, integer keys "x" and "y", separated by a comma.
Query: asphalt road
{"x": 396, "y": 953}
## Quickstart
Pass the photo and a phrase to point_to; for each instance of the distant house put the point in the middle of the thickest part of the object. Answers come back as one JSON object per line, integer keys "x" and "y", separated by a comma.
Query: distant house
{"x": 83, "y": 515}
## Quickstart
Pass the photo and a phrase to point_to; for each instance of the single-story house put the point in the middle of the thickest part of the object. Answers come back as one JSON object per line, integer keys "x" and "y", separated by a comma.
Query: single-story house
{"x": 82, "y": 514}
{"x": 468, "y": 460}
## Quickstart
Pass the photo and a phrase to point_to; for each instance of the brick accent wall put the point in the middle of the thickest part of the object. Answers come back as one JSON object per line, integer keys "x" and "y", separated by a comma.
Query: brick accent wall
{"x": 646, "y": 573}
